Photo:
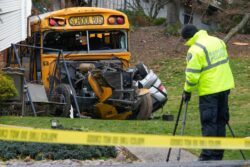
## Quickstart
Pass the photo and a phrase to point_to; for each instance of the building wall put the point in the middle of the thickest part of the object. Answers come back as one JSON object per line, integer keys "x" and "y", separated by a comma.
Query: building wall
{"x": 13, "y": 21}
{"x": 13, "y": 24}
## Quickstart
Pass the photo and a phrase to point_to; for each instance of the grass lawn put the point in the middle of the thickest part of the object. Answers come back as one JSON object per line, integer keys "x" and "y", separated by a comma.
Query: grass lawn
{"x": 172, "y": 75}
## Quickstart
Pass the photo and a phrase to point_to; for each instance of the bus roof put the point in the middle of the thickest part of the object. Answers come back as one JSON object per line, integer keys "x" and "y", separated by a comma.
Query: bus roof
{"x": 66, "y": 13}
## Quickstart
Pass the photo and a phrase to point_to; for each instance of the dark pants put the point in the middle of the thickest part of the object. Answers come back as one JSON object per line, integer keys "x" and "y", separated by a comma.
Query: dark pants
{"x": 214, "y": 114}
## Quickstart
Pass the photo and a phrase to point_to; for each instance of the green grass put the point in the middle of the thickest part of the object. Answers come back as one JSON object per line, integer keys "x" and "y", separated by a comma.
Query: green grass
{"x": 123, "y": 126}
{"x": 172, "y": 75}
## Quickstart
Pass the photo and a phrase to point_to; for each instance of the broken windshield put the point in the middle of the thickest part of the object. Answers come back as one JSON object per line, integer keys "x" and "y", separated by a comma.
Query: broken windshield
{"x": 86, "y": 41}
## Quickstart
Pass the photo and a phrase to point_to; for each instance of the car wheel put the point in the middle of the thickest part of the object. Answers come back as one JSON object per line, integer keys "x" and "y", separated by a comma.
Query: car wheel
{"x": 62, "y": 94}
{"x": 145, "y": 108}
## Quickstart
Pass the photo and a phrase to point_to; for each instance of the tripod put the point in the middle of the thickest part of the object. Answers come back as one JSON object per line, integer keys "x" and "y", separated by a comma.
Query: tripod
{"x": 183, "y": 127}
{"x": 176, "y": 125}
{"x": 232, "y": 133}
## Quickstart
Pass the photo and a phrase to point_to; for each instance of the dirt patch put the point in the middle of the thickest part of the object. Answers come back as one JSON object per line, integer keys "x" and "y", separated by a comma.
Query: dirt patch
{"x": 150, "y": 45}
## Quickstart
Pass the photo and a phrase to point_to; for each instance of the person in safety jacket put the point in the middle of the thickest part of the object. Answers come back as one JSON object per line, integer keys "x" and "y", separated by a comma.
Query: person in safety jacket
{"x": 208, "y": 71}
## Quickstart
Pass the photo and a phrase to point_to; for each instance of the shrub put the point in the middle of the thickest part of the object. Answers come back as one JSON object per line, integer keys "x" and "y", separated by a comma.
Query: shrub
{"x": 38, "y": 151}
{"x": 7, "y": 87}
{"x": 159, "y": 21}
{"x": 137, "y": 18}
{"x": 173, "y": 29}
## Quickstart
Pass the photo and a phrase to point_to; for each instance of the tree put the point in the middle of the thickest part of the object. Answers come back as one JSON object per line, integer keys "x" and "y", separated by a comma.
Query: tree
{"x": 135, "y": 5}
{"x": 89, "y": 3}
{"x": 125, "y": 4}
{"x": 173, "y": 23}
{"x": 155, "y": 6}
{"x": 96, "y": 3}
{"x": 237, "y": 28}
{"x": 173, "y": 12}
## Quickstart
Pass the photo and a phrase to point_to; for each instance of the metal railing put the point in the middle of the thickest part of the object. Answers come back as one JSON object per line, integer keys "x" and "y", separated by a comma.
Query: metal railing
{"x": 60, "y": 57}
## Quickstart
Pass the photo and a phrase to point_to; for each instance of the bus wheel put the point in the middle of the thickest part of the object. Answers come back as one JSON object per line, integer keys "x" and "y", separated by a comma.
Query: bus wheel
{"x": 145, "y": 108}
{"x": 62, "y": 94}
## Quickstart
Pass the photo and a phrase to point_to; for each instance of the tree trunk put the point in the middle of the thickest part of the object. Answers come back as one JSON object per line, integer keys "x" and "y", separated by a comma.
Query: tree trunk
{"x": 237, "y": 28}
{"x": 152, "y": 8}
{"x": 173, "y": 12}
{"x": 125, "y": 4}
{"x": 138, "y": 5}
{"x": 62, "y": 4}
{"x": 157, "y": 10}
{"x": 89, "y": 2}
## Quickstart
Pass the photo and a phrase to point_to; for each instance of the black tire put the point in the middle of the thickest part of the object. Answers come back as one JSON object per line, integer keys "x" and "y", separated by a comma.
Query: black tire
{"x": 145, "y": 108}
{"x": 142, "y": 69}
{"x": 62, "y": 94}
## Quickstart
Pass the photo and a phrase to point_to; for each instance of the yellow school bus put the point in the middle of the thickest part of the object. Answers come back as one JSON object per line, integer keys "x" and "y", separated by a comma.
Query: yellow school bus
{"x": 87, "y": 64}
{"x": 82, "y": 33}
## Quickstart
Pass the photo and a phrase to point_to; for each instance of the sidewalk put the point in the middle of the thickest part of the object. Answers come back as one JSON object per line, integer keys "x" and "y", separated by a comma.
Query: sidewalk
{"x": 152, "y": 155}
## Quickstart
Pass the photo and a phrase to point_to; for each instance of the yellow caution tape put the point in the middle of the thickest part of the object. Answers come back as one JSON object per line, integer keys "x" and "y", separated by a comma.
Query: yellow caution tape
{"x": 119, "y": 139}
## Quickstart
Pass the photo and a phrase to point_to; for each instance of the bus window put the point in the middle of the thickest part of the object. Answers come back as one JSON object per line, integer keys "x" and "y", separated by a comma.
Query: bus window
{"x": 77, "y": 40}
{"x": 107, "y": 40}
{"x": 67, "y": 41}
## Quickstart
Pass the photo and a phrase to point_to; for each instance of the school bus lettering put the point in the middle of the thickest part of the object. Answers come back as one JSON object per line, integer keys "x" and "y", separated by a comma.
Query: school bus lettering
{"x": 86, "y": 20}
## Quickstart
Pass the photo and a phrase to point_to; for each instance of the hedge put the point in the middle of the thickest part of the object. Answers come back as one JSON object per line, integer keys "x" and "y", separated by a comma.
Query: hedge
{"x": 38, "y": 151}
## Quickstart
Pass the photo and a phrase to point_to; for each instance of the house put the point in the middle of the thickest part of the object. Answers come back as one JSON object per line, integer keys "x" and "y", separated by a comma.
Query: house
{"x": 13, "y": 24}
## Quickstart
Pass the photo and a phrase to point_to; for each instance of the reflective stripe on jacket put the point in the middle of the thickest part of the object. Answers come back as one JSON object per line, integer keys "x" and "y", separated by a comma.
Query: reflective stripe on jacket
{"x": 208, "y": 67}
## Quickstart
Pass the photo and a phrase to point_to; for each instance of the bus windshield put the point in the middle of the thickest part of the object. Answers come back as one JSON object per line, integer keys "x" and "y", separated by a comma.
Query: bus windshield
{"x": 87, "y": 41}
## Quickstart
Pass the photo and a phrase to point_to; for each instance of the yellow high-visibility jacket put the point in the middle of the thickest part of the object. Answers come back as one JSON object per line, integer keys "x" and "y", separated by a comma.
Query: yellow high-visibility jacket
{"x": 208, "y": 67}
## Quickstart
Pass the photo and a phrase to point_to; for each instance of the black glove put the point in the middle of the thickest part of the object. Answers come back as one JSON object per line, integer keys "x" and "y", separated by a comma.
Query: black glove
{"x": 186, "y": 96}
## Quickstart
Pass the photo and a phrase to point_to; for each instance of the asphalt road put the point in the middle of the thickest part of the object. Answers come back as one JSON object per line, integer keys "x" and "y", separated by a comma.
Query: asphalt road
{"x": 155, "y": 155}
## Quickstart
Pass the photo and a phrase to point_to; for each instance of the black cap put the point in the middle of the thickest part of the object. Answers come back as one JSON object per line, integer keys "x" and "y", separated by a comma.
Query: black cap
{"x": 188, "y": 31}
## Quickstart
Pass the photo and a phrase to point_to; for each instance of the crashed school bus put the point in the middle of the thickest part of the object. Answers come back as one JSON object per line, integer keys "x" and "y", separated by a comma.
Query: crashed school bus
{"x": 91, "y": 73}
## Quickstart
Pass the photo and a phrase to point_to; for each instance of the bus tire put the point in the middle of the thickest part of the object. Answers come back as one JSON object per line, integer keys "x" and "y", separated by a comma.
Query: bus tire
{"x": 145, "y": 108}
{"x": 63, "y": 95}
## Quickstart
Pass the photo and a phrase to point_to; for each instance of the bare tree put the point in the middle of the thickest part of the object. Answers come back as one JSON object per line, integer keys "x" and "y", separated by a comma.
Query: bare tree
{"x": 89, "y": 2}
{"x": 135, "y": 5}
{"x": 155, "y": 6}
{"x": 125, "y": 4}
{"x": 96, "y": 3}
{"x": 62, "y": 4}
{"x": 237, "y": 28}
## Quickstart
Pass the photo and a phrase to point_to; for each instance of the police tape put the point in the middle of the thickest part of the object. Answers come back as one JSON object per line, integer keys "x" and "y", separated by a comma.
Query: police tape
{"x": 119, "y": 139}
